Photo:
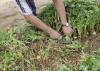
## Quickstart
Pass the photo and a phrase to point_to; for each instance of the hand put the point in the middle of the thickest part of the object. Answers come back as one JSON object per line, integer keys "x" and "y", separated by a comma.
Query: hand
{"x": 67, "y": 30}
{"x": 55, "y": 35}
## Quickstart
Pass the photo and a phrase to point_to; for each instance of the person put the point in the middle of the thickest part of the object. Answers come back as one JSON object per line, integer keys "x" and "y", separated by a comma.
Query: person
{"x": 28, "y": 9}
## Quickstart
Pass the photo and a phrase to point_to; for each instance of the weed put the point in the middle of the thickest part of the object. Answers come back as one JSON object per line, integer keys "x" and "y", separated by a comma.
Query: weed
{"x": 32, "y": 50}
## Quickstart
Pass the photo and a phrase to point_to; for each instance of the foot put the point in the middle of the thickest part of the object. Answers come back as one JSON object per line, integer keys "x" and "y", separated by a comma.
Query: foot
{"x": 55, "y": 35}
{"x": 67, "y": 30}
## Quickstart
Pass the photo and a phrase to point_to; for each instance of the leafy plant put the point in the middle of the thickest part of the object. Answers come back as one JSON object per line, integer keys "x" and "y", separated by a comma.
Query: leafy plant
{"x": 32, "y": 50}
{"x": 91, "y": 63}
{"x": 82, "y": 16}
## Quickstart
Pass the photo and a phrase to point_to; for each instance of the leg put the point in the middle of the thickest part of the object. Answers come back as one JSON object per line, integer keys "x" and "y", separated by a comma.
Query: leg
{"x": 61, "y": 12}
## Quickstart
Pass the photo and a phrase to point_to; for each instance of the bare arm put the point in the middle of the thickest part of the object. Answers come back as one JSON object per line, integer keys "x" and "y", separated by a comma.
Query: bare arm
{"x": 60, "y": 10}
{"x": 41, "y": 25}
{"x": 38, "y": 23}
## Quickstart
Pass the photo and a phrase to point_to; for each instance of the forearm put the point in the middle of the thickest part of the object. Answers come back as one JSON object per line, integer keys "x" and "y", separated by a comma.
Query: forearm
{"x": 38, "y": 23}
{"x": 60, "y": 10}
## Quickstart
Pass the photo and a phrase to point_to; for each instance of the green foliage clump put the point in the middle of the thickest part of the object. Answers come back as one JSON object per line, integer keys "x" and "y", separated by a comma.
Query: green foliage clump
{"x": 31, "y": 50}
{"x": 90, "y": 63}
{"x": 83, "y": 16}
{"x": 15, "y": 54}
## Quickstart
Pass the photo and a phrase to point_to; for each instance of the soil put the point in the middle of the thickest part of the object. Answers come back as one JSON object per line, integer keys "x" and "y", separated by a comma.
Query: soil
{"x": 94, "y": 43}
{"x": 66, "y": 56}
{"x": 10, "y": 16}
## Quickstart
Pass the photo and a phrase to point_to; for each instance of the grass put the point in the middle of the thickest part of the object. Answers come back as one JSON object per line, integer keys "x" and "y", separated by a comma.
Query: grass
{"x": 83, "y": 16}
{"x": 44, "y": 54}
{"x": 33, "y": 50}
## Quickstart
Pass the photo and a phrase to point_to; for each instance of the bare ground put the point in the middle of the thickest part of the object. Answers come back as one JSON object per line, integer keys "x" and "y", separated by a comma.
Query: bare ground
{"x": 56, "y": 57}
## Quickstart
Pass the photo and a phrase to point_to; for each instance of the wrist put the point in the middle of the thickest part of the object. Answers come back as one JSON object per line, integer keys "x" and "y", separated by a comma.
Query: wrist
{"x": 64, "y": 24}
